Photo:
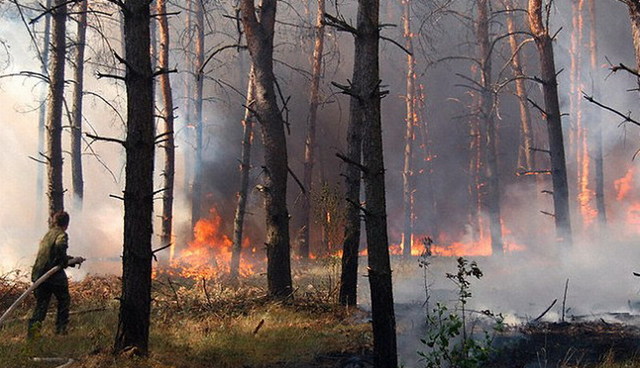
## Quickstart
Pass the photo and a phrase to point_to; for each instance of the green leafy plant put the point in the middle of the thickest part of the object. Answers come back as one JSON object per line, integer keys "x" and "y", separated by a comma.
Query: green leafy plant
{"x": 447, "y": 338}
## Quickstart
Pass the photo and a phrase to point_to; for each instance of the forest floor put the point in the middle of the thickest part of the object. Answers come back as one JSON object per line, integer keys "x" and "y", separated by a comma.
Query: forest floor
{"x": 210, "y": 324}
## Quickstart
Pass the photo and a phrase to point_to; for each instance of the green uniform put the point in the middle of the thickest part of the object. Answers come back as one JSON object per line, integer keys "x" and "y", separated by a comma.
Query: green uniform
{"x": 52, "y": 252}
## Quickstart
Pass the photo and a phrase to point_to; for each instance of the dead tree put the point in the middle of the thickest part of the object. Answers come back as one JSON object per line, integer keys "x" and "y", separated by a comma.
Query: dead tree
{"x": 408, "y": 180}
{"x": 259, "y": 34}
{"x": 76, "y": 127}
{"x": 245, "y": 167}
{"x": 551, "y": 113}
{"x": 196, "y": 194}
{"x": 135, "y": 302}
{"x": 310, "y": 142}
{"x": 54, "y": 109}
{"x": 167, "y": 116}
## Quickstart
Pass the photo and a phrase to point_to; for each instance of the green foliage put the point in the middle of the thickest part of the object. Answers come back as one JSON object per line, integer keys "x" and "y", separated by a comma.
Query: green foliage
{"x": 447, "y": 339}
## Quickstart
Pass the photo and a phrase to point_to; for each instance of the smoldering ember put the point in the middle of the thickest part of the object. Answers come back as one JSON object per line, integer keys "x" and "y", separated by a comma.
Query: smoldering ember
{"x": 405, "y": 183}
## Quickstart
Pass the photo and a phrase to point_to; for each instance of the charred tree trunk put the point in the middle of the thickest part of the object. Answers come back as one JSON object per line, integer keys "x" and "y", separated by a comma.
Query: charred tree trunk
{"x": 366, "y": 84}
{"x": 196, "y": 195}
{"x": 245, "y": 167}
{"x": 487, "y": 118}
{"x": 554, "y": 123}
{"x": 349, "y": 273}
{"x": 76, "y": 128}
{"x": 310, "y": 142}
{"x": 54, "y": 109}
{"x": 259, "y": 33}
{"x": 526, "y": 156}
{"x": 135, "y": 302}
{"x": 597, "y": 127}
{"x": 410, "y": 121}
{"x": 42, "y": 113}
{"x": 169, "y": 144}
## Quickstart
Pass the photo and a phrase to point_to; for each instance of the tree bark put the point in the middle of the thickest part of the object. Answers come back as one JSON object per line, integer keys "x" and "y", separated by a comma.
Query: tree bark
{"x": 42, "y": 113}
{"x": 135, "y": 302}
{"x": 487, "y": 112}
{"x": 597, "y": 131}
{"x": 634, "y": 15}
{"x": 367, "y": 88}
{"x": 410, "y": 121}
{"x": 526, "y": 156}
{"x": 554, "y": 123}
{"x": 169, "y": 144}
{"x": 353, "y": 174}
{"x": 76, "y": 128}
{"x": 245, "y": 167}
{"x": 310, "y": 142}
{"x": 54, "y": 109}
{"x": 196, "y": 195}
{"x": 259, "y": 33}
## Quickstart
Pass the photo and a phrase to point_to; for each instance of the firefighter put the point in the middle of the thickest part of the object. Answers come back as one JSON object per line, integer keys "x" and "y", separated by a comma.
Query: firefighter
{"x": 53, "y": 252}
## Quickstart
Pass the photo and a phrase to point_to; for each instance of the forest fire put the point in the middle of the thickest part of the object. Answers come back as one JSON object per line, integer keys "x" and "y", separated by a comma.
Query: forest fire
{"x": 208, "y": 255}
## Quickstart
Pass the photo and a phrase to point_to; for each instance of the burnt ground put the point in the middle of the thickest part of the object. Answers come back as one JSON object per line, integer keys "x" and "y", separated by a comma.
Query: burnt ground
{"x": 568, "y": 344}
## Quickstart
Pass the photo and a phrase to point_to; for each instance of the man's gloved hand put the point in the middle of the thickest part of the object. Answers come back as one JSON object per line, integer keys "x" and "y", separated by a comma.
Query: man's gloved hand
{"x": 76, "y": 261}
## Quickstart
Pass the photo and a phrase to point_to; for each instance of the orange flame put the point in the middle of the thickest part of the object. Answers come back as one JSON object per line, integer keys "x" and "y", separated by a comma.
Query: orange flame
{"x": 209, "y": 254}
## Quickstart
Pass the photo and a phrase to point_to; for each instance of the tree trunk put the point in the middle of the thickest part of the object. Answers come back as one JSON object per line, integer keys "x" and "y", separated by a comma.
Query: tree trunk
{"x": 259, "y": 35}
{"x": 410, "y": 121}
{"x": 169, "y": 144}
{"x": 487, "y": 118}
{"x": 42, "y": 113}
{"x": 366, "y": 83}
{"x": 634, "y": 15}
{"x": 196, "y": 195}
{"x": 526, "y": 156}
{"x": 353, "y": 174}
{"x": 476, "y": 180}
{"x": 310, "y": 142}
{"x": 135, "y": 302}
{"x": 76, "y": 128}
{"x": 554, "y": 123}
{"x": 245, "y": 167}
{"x": 54, "y": 110}
{"x": 597, "y": 127}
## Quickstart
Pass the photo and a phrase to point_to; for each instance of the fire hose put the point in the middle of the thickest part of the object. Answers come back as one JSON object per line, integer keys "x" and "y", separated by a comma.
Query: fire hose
{"x": 72, "y": 262}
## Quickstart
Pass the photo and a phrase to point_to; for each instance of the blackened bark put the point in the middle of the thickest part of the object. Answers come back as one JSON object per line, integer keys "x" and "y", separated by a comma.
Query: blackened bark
{"x": 169, "y": 144}
{"x": 487, "y": 112}
{"x": 196, "y": 195}
{"x": 76, "y": 128}
{"x": 245, "y": 167}
{"x": 353, "y": 174}
{"x": 310, "y": 142}
{"x": 367, "y": 87}
{"x": 135, "y": 302}
{"x": 54, "y": 110}
{"x": 410, "y": 121}
{"x": 259, "y": 35}
{"x": 554, "y": 123}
